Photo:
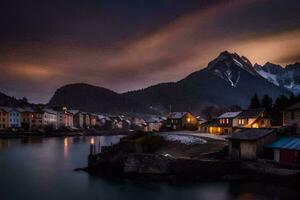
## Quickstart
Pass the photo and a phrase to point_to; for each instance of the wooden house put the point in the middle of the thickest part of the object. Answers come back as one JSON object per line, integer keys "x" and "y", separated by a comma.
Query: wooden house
{"x": 248, "y": 144}
{"x": 26, "y": 118}
{"x": 3, "y": 119}
{"x": 291, "y": 116}
{"x": 286, "y": 150}
{"x": 180, "y": 121}
{"x": 253, "y": 118}
{"x": 224, "y": 124}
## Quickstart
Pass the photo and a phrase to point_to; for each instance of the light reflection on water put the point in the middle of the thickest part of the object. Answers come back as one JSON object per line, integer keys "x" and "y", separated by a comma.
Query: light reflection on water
{"x": 42, "y": 168}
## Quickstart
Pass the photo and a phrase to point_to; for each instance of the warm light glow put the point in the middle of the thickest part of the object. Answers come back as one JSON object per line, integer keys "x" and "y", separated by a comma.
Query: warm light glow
{"x": 92, "y": 141}
{"x": 188, "y": 120}
{"x": 66, "y": 146}
{"x": 255, "y": 125}
{"x": 66, "y": 142}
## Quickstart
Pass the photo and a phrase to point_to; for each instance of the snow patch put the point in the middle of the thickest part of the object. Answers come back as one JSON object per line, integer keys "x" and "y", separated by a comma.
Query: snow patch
{"x": 185, "y": 139}
{"x": 228, "y": 77}
{"x": 270, "y": 77}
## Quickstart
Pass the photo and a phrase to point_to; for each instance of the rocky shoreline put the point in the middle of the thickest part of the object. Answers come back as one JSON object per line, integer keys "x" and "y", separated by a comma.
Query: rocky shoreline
{"x": 137, "y": 158}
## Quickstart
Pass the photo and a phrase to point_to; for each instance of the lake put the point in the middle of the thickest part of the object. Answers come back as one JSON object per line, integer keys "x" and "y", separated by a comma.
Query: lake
{"x": 42, "y": 168}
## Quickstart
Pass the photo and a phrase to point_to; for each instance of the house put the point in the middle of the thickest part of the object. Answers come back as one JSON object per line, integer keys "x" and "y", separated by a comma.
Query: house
{"x": 291, "y": 116}
{"x": 3, "y": 119}
{"x": 101, "y": 121}
{"x": 181, "y": 120}
{"x": 50, "y": 118}
{"x": 86, "y": 120}
{"x": 249, "y": 144}
{"x": 26, "y": 118}
{"x": 14, "y": 116}
{"x": 253, "y": 118}
{"x": 154, "y": 124}
{"x": 200, "y": 120}
{"x": 64, "y": 117}
{"x": 223, "y": 124}
{"x": 286, "y": 150}
{"x": 78, "y": 118}
{"x": 37, "y": 119}
{"x": 93, "y": 119}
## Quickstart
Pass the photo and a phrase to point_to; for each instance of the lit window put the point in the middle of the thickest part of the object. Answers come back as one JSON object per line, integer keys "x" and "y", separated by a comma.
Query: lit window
{"x": 188, "y": 120}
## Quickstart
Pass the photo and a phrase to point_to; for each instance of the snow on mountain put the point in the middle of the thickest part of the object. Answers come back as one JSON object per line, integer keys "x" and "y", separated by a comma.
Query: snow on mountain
{"x": 228, "y": 66}
{"x": 288, "y": 77}
{"x": 270, "y": 77}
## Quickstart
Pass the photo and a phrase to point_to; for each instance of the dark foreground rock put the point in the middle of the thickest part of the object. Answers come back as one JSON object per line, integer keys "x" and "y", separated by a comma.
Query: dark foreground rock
{"x": 136, "y": 157}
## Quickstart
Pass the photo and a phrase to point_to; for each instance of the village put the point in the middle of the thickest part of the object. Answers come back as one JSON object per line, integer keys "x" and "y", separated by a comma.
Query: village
{"x": 242, "y": 142}
{"x": 249, "y": 134}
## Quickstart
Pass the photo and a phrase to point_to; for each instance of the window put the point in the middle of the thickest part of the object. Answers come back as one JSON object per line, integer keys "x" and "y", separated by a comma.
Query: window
{"x": 241, "y": 121}
{"x": 292, "y": 115}
{"x": 227, "y": 121}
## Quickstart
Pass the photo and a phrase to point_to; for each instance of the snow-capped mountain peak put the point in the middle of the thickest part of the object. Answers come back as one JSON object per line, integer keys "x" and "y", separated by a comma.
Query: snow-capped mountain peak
{"x": 288, "y": 77}
{"x": 230, "y": 66}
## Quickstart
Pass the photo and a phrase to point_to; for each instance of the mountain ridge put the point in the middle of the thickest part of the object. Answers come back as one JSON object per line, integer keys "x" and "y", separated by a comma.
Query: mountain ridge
{"x": 229, "y": 79}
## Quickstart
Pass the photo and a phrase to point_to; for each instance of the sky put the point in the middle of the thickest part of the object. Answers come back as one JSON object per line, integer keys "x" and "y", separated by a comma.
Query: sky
{"x": 125, "y": 45}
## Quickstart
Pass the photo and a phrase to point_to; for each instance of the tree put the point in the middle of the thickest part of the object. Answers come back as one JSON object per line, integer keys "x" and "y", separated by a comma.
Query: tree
{"x": 255, "y": 102}
{"x": 267, "y": 102}
{"x": 282, "y": 102}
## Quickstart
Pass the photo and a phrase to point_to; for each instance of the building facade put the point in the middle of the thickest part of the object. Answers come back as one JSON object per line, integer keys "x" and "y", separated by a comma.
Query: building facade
{"x": 14, "y": 118}
{"x": 26, "y": 118}
{"x": 3, "y": 119}
{"x": 64, "y": 118}
{"x": 291, "y": 116}
{"x": 181, "y": 120}
{"x": 50, "y": 118}
{"x": 249, "y": 144}
{"x": 253, "y": 118}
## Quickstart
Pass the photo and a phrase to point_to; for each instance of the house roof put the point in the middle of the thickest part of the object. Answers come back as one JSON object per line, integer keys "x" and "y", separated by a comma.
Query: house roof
{"x": 4, "y": 109}
{"x": 251, "y": 134}
{"x": 251, "y": 113}
{"x": 296, "y": 106}
{"x": 214, "y": 123}
{"x": 10, "y": 109}
{"x": 27, "y": 109}
{"x": 229, "y": 115}
{"x": 291, "y": 143}
{"x": 50, "y": 111}
{"x": 177, "y": 115}
{"x": 74, "y": 112}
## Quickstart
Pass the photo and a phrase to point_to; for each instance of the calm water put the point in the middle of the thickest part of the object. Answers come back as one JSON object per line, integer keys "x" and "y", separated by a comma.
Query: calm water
{"x": 42, "y": 168}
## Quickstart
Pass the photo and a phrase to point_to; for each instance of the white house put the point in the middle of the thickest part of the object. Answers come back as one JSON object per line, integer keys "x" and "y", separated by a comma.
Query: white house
{"x": 14, "y": 117}
{"x": 50, "y": 118}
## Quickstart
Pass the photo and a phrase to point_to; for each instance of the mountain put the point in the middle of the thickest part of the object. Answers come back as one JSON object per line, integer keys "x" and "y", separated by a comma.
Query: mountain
{"x": 7, "y": 100}
{"x": 227, "y": 80}
{"x": 288, "y": 77}
{"x": 94, "y": 99}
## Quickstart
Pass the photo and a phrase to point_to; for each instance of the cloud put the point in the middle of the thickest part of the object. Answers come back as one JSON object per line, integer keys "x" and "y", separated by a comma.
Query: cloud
{"x": 167, "y": 53}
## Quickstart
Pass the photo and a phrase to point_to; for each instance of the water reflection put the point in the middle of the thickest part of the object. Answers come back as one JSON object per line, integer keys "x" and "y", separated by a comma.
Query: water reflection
{"x": 31, "y": 140}
{"x": 66, "y": 146}
{"x": 4, "y": 144}
{"x": 47, "y": 167}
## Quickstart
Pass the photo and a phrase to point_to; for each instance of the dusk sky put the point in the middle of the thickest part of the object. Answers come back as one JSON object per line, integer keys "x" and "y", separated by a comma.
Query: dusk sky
{"x": 125, "y": 45}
